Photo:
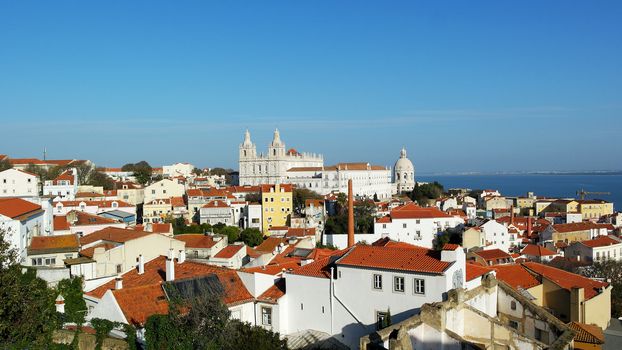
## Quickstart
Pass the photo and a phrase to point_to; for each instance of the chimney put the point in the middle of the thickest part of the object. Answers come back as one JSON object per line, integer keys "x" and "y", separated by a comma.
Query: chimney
{"x": 350, "y": 215}
{"x": 529, "y": 227}
{"x": 60, "y": 304}
{"x": 512, "y": 215}
{"x": 141, "y": 264}
{"x": 182, "y": 256}
{"x": 118, "y": 282}
{"x": 170, "y": 268}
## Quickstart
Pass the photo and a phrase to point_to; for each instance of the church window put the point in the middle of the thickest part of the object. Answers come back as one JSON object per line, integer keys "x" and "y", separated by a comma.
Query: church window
{"x": 274, "y": 152}
{"x": 245, "y": 153}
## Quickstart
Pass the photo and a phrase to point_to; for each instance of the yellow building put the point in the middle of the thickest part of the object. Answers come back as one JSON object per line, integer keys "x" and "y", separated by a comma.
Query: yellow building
{"x": 276, "y": 203}
{"x": 594, "y": 208}
{"x": 564, "y": 206}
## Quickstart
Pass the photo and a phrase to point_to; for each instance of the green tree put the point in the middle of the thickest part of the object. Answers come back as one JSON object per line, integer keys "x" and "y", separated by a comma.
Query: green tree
{"x": 232, "y": 233}
{"x": 27, "y": 310}
{"x": 251, "y": 237}
{"x": 197, "y": 171}
{"x": 422, "y": 193}
{"x": 299, "y": 197}
{"x": 253, "y": 197}
{"x": 75, "y": 307}
{"x": 142, "y": 171}
{"x": 100, "y": 179}
{"x": 204, "y": 322}
{"x": 5, "y": 164}
{"x": 612, "y": 270}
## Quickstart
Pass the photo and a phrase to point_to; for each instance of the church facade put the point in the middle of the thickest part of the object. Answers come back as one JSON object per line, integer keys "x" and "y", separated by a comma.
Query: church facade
{"x": 271, "y": 168}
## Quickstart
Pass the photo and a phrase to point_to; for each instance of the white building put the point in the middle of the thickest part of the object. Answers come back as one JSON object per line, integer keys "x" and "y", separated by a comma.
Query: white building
{"x": 18, "y": 183}
{"x": 217, "y": 212}
{"x": 367, "y": 180}
{"x": 63, "y": 187}
{"x": 414, "y": 224}
{"x": 92, "y": 207}
{"x": 404, "y": 173}
{"x": 21, "y": 220}
{"x": 164, "y": 189}
{"x": 271, "y": 168}
{"x": 231, "y": 256}
{"x": 595, "y": 250}
{"x": 497, "y": 236}
{"x": 178, "y": 169}
{"x": 348, "y": 295}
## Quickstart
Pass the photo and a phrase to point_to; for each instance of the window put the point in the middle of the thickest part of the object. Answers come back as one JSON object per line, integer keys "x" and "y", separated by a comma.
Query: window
{"x": 398, "y": 284}
{"x": 418, "y": 222}
{"x": 514, "y": 324}
{"x": 381, "y": 320}
{"x": 152, "y": 191}
{"x": 513, "y": 305}
{"x": 119, "y": 268}
{"x": 266, "y": 316}
{"x": 419, "y": 286}
{"x": 384, "y": 225}
{"x": 377, "y": 281}
{"x": 302, "y": 307}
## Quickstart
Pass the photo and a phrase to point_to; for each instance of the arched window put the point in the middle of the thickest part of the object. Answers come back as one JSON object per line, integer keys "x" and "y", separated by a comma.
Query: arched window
{"x": 274, "y": 152}
{"x": 244, "y": 153}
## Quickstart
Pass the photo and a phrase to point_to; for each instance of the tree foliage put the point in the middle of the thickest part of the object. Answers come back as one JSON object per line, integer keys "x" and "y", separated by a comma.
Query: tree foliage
{"x": 364, "y": 212}
{"x": 27, "y": 310}
{"x": 204, "y": 323}
{"x": 5, "y": 164}
{"x": 253, "y": 197}
{"x": 609, "y": 270}
{"x": 251, "y": 237}
{"x": 142, "y": 171}
{"x": 423, "y": 193}
{"x": 300, "y": 195}
{"x": 75, "y": 306}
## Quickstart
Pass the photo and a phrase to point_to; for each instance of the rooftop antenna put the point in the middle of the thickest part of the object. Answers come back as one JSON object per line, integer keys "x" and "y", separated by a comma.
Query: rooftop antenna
{"x": 45, "y": 152}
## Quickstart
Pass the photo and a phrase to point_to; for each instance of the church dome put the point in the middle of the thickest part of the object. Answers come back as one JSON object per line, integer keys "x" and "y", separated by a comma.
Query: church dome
{"x": 404, "y": 164}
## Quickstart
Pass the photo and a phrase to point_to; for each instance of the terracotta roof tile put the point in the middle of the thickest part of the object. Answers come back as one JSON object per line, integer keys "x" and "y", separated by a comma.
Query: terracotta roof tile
{"x": 269, "y": 244}
{"x": 403, "y": 259}
{"x": 164, "y": 227}
{"x": 566, "y": 279}
{"x": 580, "y": 226}
{"x": 300, "y": 232}
{"x": 113, "y": 234}
{"x": 600, "y": 241}
{"x": 474, "y": 270}
{"x": 516, "y": 276}
{"x": 537, "y": 250}
{"x": 229, "y": 251}
{"x": 216, "y": 204}
{"x": 493, "y": 254}
{"x": 53, "y": 244}
{"x": 274, "y": 293}
{"x": 413, "y": 211}
{"x": 84, "y": 219}
{"x": 60, "y": 223}
{"x": 16, "y": 207}
{"x": 196, "y": 240}
{"x": 587, "y": 333}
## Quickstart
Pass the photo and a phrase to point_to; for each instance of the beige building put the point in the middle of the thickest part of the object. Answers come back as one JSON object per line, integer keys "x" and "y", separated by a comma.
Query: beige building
{"x": 594, "y": 208}
{"x": 574, "y": 232}
{"x": 130, "y": 192}
{"x": 51, "y": 251}
{"x": 157, "y": 210}
{"x": 117, "y": 250}
{"x": 495, "y": 202}
{"x": 164, "y": 189}
{"x": 473, "y": 237}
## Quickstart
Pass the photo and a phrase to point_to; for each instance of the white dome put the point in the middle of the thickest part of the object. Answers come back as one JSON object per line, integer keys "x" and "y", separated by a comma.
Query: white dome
{"x": 404, "y": 164}
{"x": 404, "y": 173}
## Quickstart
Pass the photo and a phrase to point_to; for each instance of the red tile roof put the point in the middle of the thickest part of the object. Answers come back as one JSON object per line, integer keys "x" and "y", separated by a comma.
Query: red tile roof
{"x": 493, "y": 254}
{"x": 65, "y": 176}
{"x": 229, "y": 251}
{"x": 274, "y": 269}
{"x": 587, "y": 333}
{"x": 274, "y": 293}
{"x": 537, "y": 250}
{"x": 449, "y": 246}
{"x": 600, "y": 241}
{"x": 413, "y": 211}
{"x": 85, "y": 219}
{"x": 141, "y": 295}
{"x": 196, "y": 240}
{"x": 300, "y": 232}
{"x": 580, "y": 226}
{"x": 284, "y": 187}
{"x": 320, "y": 268}
{"x": 113, "y": 234}
{"x": 216, "y": 204}
{"x": 17, "y": 207}
{"x": 101, "y": 204}
{"x": 178, "y": 202}
{"x": 403, "y": 259}
{"x": 60, "y": 223}
{"x": 269, "y": 244}
{"x": 164, "y": 227}
{"x": 53, "y": 244}
{"x": 474, "y": 270}
{"x": 516, "y": 276}
{"x": 566, "y": 279}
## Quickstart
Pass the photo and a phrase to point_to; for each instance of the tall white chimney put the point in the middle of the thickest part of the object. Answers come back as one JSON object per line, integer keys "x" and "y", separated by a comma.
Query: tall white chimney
{"x": 141, "y": 264}
{"x": 118, "y": 282}
{"x": 182, "y": 256}
{"x": 170, "y": 269}
{"x": 60, "y": 304}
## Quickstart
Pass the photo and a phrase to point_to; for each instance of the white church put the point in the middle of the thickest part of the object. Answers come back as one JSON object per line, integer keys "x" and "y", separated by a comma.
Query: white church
{"x": 307, "y": 170}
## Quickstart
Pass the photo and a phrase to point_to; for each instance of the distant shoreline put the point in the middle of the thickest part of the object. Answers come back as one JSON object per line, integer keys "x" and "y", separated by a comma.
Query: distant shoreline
{"x": 600, "y": 173}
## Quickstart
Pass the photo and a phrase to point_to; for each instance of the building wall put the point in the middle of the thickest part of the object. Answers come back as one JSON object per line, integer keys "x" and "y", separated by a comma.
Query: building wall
{"x": 415, "y": 231}
{"x": 15, "y": 183}
{"x": 156, "y": 211}
{"x": 306, "y": 298}
{"x": 20, "y": 232}
{"x": 58, "y": 257}
{"x": 591, "y": 211}
{"x": 473, "y": 238}
{"x": 163, "y": 189}
{"x": 598, "y": 309}
{"x": 276, "y": 206}
{"x": 131, "y": 196}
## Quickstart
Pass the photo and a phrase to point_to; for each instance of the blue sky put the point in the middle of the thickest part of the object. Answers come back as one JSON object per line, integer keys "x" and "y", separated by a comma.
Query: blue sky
{"x": 463, "y": 85}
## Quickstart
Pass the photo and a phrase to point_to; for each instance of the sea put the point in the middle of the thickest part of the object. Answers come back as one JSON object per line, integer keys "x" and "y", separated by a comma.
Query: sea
{"x": 557, "y": 185}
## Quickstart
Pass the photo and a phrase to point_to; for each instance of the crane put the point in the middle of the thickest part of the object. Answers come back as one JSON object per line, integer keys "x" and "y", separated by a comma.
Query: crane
{"x": 582, "y": 193}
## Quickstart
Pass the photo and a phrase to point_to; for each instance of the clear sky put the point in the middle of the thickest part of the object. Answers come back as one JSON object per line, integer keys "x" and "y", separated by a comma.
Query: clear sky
{"x": 463, "y": 85}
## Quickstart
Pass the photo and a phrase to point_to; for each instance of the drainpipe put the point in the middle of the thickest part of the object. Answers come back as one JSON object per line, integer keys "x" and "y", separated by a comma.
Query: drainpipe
{"x": 331, "y": 286}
